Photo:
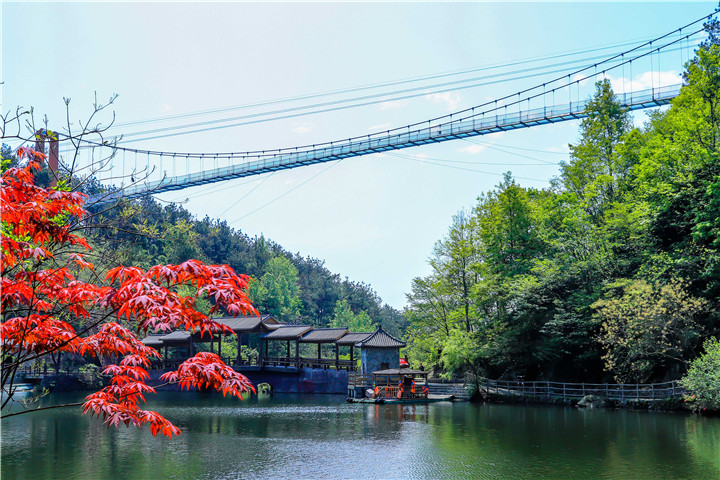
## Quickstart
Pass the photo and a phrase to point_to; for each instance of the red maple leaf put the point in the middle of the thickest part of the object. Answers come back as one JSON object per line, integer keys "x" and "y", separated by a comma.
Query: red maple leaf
{"x": 37, "y": 304}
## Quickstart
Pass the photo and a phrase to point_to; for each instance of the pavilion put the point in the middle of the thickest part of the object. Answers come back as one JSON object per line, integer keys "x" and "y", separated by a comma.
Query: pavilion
{"x": 379, "y": 350}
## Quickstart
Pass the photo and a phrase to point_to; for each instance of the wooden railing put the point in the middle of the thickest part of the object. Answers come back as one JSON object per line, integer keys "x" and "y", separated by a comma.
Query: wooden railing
{"x": 357, "y": 380}
{"x": 325, "y": 363}
{"x": 391, "y": 391}
{"x": 279, "y": 362}
{"x": 328, "y": 363}
{"x": 634, "y": 391}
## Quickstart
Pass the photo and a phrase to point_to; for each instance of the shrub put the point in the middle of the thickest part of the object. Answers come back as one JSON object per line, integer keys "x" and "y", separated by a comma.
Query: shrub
{"x": 702, "y": 380}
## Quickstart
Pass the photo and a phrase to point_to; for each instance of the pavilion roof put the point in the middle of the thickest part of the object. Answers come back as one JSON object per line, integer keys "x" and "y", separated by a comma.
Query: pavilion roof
{"x": 351, "y": 338}
{"x": 153, "y": 341}
{"x": 287, "y": 332}
{"x": 323, "y": 335}
{"x": 179, "y": 337}
{"x": 380, "y": 339}
{"x": 258, "y": 324}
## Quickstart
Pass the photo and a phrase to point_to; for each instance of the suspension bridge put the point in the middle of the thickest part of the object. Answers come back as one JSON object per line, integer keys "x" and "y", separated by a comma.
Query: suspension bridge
{"x": 557, "y": 99}
{"x": 456, "y": 129}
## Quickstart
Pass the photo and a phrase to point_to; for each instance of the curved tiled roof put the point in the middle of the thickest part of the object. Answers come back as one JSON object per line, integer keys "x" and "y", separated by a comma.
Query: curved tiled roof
{"x": 380, "y": 339}
{"x": 178, "y": 337}
{"x": 248, "y": 324}
{"x": 323, "y": 335}
{"x": 351, "y": 338}
{"x": 153, "y": 341}
{"x": 287, "y": 332}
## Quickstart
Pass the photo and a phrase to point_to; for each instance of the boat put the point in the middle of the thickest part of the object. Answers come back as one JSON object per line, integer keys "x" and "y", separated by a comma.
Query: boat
{"x": 400, "y": 386}
{"x": 391, "y": 401}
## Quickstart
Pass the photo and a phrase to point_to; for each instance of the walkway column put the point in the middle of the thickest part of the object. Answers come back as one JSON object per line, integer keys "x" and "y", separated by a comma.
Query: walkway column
{"x": 260, "y": 353}
{"x": 337, "y": 358}
{"x": 239, "y": 345}
{"x": 297, "y": 354}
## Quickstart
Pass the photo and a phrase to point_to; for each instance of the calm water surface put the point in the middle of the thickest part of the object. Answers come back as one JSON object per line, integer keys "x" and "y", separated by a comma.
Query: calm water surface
{"x": 322, "y": 437}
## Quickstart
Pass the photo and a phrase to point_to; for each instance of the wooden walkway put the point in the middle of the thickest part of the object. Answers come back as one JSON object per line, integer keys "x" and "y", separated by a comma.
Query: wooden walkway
{"x": 622, "y": 392}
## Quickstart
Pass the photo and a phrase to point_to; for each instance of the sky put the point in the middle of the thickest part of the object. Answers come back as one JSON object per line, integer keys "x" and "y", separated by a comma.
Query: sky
{"x": 372, "y": 219}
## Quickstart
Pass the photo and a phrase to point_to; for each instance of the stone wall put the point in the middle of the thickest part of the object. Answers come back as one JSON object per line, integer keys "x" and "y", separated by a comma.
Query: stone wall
{"x": 290, "y": 380}
{"x": 372, "y": 359}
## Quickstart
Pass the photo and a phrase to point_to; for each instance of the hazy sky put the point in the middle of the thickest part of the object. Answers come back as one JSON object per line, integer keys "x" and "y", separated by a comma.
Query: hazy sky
{"x": 373, "y": 219}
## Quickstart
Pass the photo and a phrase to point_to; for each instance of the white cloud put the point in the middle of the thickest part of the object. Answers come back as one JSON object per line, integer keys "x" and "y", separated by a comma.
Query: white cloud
{"x": 301, "y": 128}
{"x": 561, "y": 149}
{"x": 393, "y": 104}
{"x": 644, "y": 81}
{"x": 165, "y": 108}
{"x": 379, "y": 128}
{"x": 473, "y": 149}
{"x": 450, "y": 99}
{"x": 579, "y": 77}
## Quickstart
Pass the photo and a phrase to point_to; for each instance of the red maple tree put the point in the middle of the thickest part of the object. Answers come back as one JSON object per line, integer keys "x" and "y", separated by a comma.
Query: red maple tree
{"x": 42, "y": 292}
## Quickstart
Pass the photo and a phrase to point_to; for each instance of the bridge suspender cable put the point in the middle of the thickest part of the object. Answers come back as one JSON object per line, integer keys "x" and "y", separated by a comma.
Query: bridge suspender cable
{"x": 621, "y": 56}
{"x": 476, "y": 120}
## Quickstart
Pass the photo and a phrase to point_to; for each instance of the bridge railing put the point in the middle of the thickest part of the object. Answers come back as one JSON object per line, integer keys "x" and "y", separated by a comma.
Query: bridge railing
{"x": 498, "y": 119}
{"x": 633, "y": 391}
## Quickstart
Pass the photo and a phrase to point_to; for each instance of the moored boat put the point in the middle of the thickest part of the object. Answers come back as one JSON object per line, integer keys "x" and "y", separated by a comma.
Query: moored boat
{"x": 390, "y": 401}
{"x": 400, "y": 386}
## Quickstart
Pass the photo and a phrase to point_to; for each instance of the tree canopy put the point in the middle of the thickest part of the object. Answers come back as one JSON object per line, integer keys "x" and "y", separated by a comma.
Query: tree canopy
{"x": 613, "y": 272}
{"x": 54, "y": 300}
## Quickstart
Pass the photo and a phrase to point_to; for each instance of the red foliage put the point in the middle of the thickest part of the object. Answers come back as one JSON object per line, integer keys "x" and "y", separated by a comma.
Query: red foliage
{"x": 206, "y": 370}
{"x": 33, "y": 299}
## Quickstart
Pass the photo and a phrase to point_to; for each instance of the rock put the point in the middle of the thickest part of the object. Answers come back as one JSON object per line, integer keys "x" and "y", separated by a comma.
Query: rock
{"x": 592, "y": 401}
{"x": 264, "y": 389}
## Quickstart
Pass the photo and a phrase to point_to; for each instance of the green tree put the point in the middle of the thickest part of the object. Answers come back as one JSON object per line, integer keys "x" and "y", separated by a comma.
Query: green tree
{"x": 508, "y": 228}
{"x": 595, "y": 169}
{"x": 456, "y": 258}
{"x": 702, "y": 379}
{"x": 180, "y": 242}
{"x": 277, "y": 291}
{"x": 560, "y": 276}
{"x": 645, "y": 327}
{"x": 428, "y": 313}
{"x": 343, "y": 316}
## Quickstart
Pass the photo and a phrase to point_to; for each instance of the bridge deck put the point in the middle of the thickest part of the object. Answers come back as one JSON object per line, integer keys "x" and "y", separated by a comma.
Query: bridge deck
{"x": 395, "y": 140}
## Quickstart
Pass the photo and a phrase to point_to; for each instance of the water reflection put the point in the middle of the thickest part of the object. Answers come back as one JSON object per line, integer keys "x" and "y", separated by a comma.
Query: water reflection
{"x": 324, "y": 437}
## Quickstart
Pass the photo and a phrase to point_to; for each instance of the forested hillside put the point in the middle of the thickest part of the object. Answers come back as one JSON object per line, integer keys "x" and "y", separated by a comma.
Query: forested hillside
{"x": 291, "y": 287}
{"x": 613, "y": 272}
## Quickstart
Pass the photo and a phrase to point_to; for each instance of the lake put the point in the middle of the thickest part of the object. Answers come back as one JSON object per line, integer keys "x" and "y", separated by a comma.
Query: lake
{"x": 322, "y": 437}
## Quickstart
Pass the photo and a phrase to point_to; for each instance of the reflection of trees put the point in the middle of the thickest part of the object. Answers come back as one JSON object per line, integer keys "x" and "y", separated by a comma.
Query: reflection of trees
{"x": 569, "y": 443}
{"x": 703, "y": 439}
{"x": 44, "y": 439}
{"x": 228, "y": 438}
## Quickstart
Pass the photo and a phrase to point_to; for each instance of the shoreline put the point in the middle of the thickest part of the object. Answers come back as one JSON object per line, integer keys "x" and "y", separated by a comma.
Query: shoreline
{"x": 665, "y": 405}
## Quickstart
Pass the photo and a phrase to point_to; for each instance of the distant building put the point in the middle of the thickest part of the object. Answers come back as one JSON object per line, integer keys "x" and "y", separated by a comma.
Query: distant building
{"x": 379, "y": 351}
